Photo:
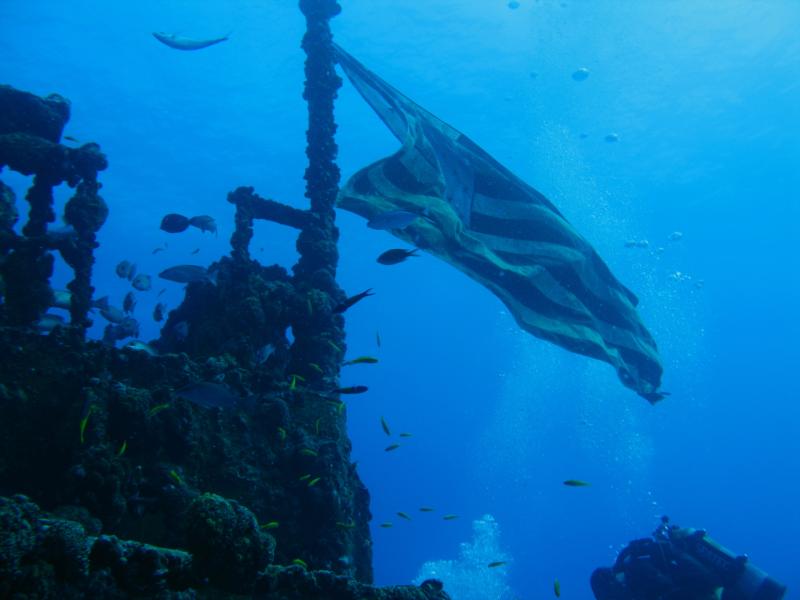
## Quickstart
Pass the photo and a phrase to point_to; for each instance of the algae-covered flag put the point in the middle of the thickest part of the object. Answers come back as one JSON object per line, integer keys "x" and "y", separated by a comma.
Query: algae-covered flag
{"x": 482, "y": 219}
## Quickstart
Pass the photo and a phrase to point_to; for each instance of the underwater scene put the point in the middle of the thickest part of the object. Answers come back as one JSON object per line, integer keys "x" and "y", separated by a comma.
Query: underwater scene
{"x": 476, "y": 300}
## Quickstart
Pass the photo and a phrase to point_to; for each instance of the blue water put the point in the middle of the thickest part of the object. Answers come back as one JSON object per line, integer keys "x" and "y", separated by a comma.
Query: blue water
{"x": 705, "y": 99}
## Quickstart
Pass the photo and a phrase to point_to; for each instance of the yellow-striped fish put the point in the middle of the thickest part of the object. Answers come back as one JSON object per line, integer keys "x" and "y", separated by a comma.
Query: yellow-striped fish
{"x": 308, "y": 452}
{"x": 386, "y": 524}
{"x": 496, "y": 563}
{"x": 405, "y": 434}
{"x": 449, "y": 517}
{"x": 314, "y": 481}
{"x": 300, "y": 563}
{"x": 270, "y": 525}
{"x": 385, "y": 426}
{"x": 391, "y": 447}
{"x": 122, "y": 448}
{"x": 426, "y": 509}
{"x": 557, "y": 588}
{"x": 403, "y": 515}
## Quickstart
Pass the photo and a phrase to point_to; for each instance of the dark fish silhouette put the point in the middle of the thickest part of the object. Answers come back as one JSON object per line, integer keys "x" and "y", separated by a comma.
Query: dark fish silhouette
{"x": 158, "y": 312}
{"x": 129, "y": 303}
{"x": 174, "y": 223}
{"x": 340, "y": 308}
{"x": 395, "y": 256}
{"x": 353, "y": 389}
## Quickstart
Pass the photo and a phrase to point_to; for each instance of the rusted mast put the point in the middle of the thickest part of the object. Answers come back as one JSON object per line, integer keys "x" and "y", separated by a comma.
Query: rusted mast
{"x": 315, "y": 272}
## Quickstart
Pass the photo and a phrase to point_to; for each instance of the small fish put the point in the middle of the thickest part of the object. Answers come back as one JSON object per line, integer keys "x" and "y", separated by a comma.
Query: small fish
{"x": 281, "y": 434}
{"x": 405, "y": 434}
{"x": 497, "y": 563}
{"x": 391, "y": 447}
{"x": 340, "y": 308}
{"x": 183, "y": 43}
{"x": 69, "y": 138}
{"x": 403, "y": 515}
{"x": 176, "y": 478}
{"x": 385, "y": 427}
{"x": 576, "y": 483}
{"x": 195, "y": 251}
{"x": 263, "y": 354}
{"x": 316, "y": 367}
{"x": 270, "y": 525}
{"x": 348, "y": 525}
{"x": 300, "y": 562}
{"x": 611, "y": 138}
{"x": 62, "y": 299}
{"x": 181, "y": 330}
{"x": 314, "y": 481}
{"x": 450, "y": 517}
{"x": 675, "y": 236}
{"x": 157, "y": 409}
{"x": 396, "y": 256}
{"x": 49, "y": 322}
{"x": 352, "y": 389}
{"x": 174, "y": 223}
{"x": 158, "y": 312}
{"x": 378, "y": 338}
{"x": 204, "y": 223}
{"x": 185, "y": 274}
{"x": 308, "y": 452}
{"x": 161, "y": 291}
{"x": 386, "y": 524}
{"x": 160, "y": 249}
{"x": 310, "y": 306}
{"x": 393, "y": 219}
{"x": 361, "y": 360}
{"x": 126, "y": 270}
{"x": 129, "y": 303}
{"x": 304, "y": 477}
{"x": 317, "y": 424}
{"x": 122, "y": 448}
{"x": 581, "y": 74}
{"x": 142, "y": 282}
{"x": 557, "y": 588}
{"x": 112, "y": 314}
{"x": 426, "y": 509}
{"x": 140, "y": 346}
{"x": 85, "y": 421}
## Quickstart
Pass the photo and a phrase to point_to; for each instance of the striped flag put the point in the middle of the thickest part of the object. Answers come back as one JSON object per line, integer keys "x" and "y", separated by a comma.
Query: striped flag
{"x": 482, "y": 219}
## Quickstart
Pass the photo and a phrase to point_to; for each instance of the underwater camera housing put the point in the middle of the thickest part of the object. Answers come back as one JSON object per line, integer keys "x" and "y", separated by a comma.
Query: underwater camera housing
{"x": 739, "y": 578}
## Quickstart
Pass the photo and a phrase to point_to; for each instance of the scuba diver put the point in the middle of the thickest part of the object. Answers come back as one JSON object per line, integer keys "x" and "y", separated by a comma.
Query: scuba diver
{"x": 679, "y": 563}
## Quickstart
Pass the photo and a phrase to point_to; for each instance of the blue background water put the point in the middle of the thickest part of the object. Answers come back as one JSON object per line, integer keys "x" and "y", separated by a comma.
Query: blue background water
{"x": 705, "y": 98}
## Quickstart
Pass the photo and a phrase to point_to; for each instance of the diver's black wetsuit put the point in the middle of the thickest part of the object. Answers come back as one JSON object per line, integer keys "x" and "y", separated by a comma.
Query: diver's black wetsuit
{"x": 682, "y": 564}
{"x": 652, "y": 570}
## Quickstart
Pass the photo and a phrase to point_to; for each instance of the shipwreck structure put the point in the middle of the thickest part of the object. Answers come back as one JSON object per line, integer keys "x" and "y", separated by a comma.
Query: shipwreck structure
{"x": 217, "y": 466}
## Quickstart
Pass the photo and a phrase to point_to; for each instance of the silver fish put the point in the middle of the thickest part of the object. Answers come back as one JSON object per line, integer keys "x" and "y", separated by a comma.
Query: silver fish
{"x": 49, "y": 322}
{"x": 185, "y": 274}
{"x": 183, "y": 43}
{"x": 112, "y": 314}
{"x": 140, "y": 346}
{"x": 204, "y": 223}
